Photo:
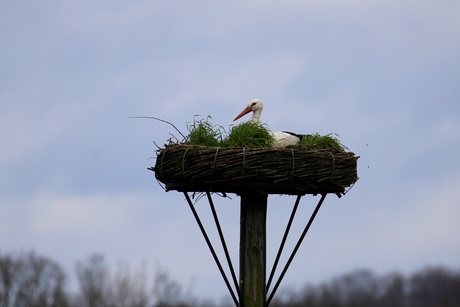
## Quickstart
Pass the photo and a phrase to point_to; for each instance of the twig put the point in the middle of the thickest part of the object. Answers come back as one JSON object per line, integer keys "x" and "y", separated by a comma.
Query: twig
{"x": 156, "y": 145}
{"x": 161, "y": 120}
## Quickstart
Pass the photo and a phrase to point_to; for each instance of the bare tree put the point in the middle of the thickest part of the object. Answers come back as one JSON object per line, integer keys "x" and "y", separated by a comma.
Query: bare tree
{"x": 392, "y": 291}
{"x": 358, "y": 288}
{"x": 130, "y": 288}
{"x": 127, "y": 287}
{"x": 168, "y": 293}
{"x": 31, "y": 280}
{"x": 93, "y": 279}
{"x": 435, "y": 287}
{"x": 9, "y": 280}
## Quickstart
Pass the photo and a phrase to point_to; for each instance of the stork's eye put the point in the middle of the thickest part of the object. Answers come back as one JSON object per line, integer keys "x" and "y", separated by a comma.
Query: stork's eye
{"x": 253, "y": 104}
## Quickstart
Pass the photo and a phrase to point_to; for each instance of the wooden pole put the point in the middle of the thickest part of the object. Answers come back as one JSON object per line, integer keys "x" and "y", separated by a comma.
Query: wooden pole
{"x": 253, "y": 249}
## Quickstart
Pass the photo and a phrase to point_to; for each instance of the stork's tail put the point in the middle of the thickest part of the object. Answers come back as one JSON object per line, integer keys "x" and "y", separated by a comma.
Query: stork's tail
{"x": 300, "y": 136}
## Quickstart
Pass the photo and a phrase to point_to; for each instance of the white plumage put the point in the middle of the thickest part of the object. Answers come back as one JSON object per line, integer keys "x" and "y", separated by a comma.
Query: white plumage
{"x": 281, "y": 139}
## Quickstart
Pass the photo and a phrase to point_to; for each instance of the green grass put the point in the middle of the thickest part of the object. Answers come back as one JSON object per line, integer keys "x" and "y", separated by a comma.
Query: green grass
{"x": 249, "y": 134}
{"x": 322, "y": 141}
{"x": 202, "y": 132}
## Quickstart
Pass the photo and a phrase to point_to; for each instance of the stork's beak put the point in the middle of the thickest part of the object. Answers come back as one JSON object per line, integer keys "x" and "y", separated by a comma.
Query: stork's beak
{"x": 244, "y": 112}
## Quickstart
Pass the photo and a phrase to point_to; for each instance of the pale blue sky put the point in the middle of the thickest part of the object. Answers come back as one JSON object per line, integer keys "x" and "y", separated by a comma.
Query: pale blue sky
{"x": 382, "y": 74}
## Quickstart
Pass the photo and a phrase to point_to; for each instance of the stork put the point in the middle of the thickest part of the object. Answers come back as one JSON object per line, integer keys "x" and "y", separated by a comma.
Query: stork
{"x": 281, "y": 139}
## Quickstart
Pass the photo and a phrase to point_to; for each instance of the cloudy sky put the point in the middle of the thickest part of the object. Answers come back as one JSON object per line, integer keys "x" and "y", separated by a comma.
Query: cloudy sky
{"x": 384, "y": 75}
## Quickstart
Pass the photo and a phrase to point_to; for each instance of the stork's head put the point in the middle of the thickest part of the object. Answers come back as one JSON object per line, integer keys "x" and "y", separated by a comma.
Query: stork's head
{"x": 255, "y": 106}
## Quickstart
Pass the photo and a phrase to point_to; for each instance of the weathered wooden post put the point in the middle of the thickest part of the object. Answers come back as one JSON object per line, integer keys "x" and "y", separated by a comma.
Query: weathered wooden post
{"x": 253, "y": 248}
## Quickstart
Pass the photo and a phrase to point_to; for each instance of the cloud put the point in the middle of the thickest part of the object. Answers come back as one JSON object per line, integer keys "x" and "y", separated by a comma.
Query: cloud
{"x": 225, "y": 81}
{"x": 55, "y": 215}
{"x": 28, "y": 127}
{"x": 422, "y": 227}
{"x": 83, "y": 215}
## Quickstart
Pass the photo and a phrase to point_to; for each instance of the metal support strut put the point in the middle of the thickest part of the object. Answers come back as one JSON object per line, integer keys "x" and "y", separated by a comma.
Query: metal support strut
{"x": 252, "y": 261}
{"x": 224, "y": 245}
{"x": 283, "y": 241}
{"x": 299, "y": 242}
{"x": 214, "y": 255}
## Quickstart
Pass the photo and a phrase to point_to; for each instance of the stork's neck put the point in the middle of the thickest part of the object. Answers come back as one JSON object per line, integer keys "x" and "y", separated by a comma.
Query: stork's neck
{"x": 256, "y": 115}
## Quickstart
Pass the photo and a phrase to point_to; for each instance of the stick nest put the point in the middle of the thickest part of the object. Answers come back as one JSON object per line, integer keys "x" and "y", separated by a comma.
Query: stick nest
{"x": 278, "y": 170}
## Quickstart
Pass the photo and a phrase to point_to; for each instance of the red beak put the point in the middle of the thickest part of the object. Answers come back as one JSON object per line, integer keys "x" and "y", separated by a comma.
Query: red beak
{"x": 244, "y": 112}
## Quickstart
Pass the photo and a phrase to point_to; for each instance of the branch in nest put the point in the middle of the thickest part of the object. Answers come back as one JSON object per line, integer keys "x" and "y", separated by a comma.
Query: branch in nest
{"x": 161, "y": 120}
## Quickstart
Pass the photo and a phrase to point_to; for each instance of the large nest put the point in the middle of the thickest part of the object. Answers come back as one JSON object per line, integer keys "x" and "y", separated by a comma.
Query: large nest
{"x": 275, "y": 171}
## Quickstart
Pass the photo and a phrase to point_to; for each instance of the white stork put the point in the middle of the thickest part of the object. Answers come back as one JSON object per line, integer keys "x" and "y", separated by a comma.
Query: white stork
{"x": 282, "y": 139}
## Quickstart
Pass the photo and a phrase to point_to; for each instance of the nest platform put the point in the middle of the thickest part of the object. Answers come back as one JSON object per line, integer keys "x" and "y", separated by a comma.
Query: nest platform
{"x": 293, "y": 171}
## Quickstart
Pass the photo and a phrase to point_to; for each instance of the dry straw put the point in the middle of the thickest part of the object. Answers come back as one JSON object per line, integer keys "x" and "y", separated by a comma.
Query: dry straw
{"x": 207, "y": 166}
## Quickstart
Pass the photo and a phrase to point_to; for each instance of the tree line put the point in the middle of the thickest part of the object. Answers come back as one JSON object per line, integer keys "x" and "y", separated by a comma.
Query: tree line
{"x": 429, "y": 287}
{"x": 31, "y": 280}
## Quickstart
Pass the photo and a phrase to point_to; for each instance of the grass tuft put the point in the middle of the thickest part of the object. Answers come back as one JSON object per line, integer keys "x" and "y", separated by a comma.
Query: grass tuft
{"x": 202, "y": 132}
{"x": 322, "y": 141}
{"x": 249, "y": 134}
